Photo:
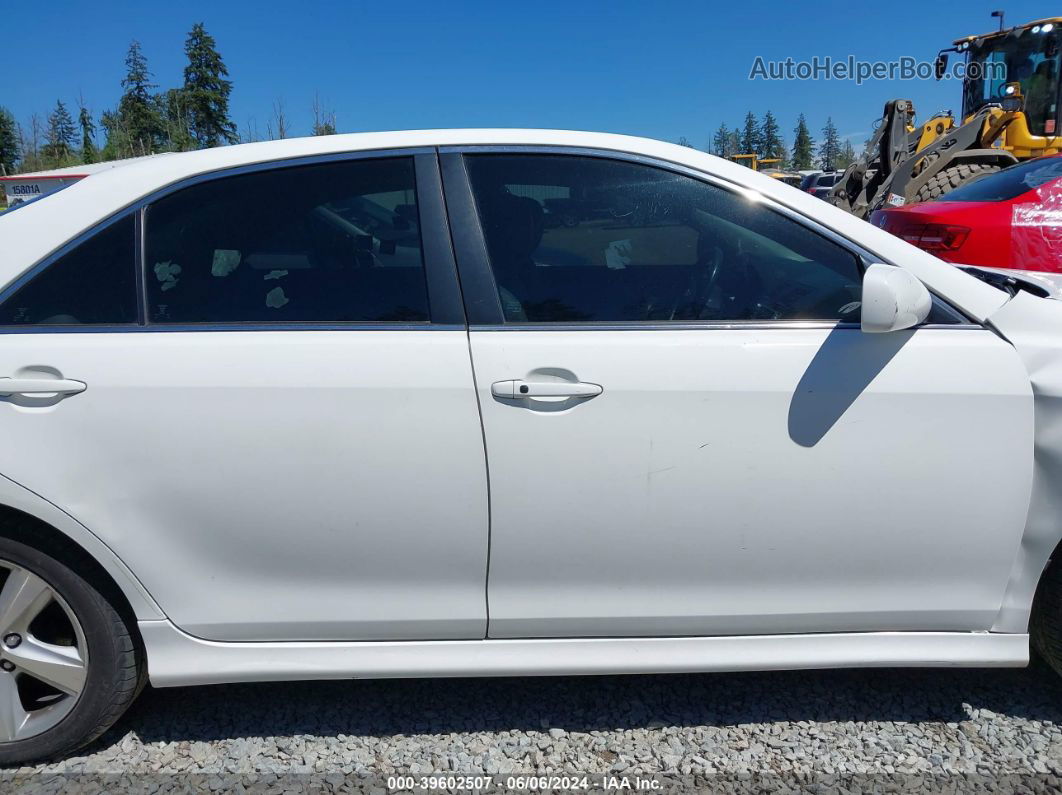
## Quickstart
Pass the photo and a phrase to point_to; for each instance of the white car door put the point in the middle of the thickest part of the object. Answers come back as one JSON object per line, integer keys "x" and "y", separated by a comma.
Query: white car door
{"x": 688, "y": 433}
{"x": 285, "y": 443}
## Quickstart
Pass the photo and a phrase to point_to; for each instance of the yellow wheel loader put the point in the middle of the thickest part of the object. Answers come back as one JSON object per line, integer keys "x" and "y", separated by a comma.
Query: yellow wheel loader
{"x": 1010, "y": 112}
{"x": 757, "y": 164}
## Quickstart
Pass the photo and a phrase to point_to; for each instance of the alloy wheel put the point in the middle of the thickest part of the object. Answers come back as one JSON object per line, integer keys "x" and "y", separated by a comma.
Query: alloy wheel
{"x": 43, "y": 655}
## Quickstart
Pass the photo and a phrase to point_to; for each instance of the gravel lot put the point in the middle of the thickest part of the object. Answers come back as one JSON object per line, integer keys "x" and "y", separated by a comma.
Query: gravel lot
{"x": 959, "y": 730}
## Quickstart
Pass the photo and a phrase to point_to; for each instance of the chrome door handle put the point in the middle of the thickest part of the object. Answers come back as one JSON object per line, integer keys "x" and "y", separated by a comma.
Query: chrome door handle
{"x": 40, "y": 386}
{"x": 534, "y": 389}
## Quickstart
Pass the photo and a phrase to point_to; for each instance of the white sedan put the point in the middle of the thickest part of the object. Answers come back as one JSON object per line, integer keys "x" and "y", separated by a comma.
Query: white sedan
{"x": 501, "y": 402}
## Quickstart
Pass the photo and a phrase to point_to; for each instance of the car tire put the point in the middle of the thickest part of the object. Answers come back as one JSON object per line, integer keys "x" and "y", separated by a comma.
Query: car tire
{"x": 113, "y": 670}
{"x": 1045, "y": 626}
{"x": 951, "y": 178}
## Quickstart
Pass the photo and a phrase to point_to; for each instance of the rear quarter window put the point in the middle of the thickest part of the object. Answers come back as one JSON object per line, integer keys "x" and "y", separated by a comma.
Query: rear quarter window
{"x": 92, "y": 284}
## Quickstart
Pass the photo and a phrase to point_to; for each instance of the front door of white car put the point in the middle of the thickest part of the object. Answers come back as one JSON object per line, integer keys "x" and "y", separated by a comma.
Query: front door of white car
{"x": 286, "y": 444}
{"x": 688, "y": 433}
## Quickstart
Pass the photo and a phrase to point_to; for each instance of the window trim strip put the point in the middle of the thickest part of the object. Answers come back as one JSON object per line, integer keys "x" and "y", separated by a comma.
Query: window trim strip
{"x": 235, "y": 326}
{"x": 683, "y": 325}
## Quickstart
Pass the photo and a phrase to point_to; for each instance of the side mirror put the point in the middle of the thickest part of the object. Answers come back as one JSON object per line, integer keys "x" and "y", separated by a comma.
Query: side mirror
{"x": 893, "y": 299}
{"x": 940, "y": 65}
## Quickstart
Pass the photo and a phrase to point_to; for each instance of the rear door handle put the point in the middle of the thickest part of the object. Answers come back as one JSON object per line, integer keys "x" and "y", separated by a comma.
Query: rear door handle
{"x": 534, "y": 389}
{"x": 40, "y": 386}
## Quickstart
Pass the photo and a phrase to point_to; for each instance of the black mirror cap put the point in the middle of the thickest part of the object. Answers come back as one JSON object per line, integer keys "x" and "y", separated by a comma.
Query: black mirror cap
{"x": 940, "y": 65}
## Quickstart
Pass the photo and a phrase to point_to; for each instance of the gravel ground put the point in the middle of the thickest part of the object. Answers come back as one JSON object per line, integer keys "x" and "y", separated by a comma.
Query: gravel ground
{"x": 960, "y": 730}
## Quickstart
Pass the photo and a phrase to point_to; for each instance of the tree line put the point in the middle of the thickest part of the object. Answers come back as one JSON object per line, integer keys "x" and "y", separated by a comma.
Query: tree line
{"x": 763, "y": 138}
{"x": 146, "y": 120}
{"x": 195, "y": 115}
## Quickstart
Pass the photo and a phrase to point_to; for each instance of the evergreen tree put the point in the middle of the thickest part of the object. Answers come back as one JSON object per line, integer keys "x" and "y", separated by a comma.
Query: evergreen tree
{"x": 88, "y": 135}
{"x": 684, "y": 141}
{"x": 137, "y": 127}
{"x": 733, "y": 145}
{"x": 115, "y": 141}
{"x": 751, "y": 137}
{"x": 830, "y": 147}
{"x": 60, "y": 136}
{"x": 721, "y": 141}
{"x": 206, "y": 91}
{"x": 174, "y": 107}
{"x": 846, "y": 156}
{"x": 803, "y": 145}
{"x": 9, "y": 142}
{"x": 772, "y": 143}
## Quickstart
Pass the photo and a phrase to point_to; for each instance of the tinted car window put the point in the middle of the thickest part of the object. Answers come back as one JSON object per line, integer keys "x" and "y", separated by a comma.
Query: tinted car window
{"x": 1008, "y": 183}
{"x": 574, "y": 239}
{"x": 94, "y": 283}
{"x": 336, "y": 242}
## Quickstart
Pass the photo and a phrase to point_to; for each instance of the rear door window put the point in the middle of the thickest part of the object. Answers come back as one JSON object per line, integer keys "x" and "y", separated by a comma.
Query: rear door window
{"x": 333, "y": 242}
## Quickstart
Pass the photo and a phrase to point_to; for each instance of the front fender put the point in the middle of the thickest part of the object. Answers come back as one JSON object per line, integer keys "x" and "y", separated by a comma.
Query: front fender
{"x": 1034, "y": 327}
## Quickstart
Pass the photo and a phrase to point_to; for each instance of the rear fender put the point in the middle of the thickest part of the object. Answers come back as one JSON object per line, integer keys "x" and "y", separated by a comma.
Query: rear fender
{"x": 22, "y": 499}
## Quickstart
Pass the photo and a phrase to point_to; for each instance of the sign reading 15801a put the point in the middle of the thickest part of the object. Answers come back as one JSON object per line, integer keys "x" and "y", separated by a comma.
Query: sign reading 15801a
{"x": 31, "y": 189}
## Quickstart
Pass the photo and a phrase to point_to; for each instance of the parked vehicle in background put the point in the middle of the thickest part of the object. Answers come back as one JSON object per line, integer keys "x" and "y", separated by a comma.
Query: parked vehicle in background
{"x": 273, "y": 411}
{"x": 788, "y": 177}
{"x": 820, "y": 183}
{"x": 1006, "y": 219}
{"x": 1010, "y": 113}
{"x": 807, "y": 179}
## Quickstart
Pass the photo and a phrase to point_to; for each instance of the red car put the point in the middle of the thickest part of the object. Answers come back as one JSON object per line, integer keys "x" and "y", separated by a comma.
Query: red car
{"x": 1009, "y": 219}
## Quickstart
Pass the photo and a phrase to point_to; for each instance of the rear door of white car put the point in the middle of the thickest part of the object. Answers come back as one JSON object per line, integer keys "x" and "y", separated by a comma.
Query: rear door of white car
{"x": 268, "y": 410}
{"x": 688, "y": 433}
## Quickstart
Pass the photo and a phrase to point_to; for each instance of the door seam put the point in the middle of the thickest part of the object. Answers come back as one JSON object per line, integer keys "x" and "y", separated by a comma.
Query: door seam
{"x": 479, "y": 406}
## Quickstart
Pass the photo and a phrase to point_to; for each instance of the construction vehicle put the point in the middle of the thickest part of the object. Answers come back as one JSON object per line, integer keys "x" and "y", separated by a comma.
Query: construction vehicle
{"x": 788, "y": 177}
{"x": 1010, "y": 112}
{"x": 756, "y": 163}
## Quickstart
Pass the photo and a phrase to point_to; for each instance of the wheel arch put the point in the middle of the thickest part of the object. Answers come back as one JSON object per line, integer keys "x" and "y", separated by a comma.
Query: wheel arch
{"x": 32, "y": 520}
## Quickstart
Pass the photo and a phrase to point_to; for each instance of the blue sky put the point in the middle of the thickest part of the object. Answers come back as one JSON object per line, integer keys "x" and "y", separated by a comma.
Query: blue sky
{"x": 664, "y": 70}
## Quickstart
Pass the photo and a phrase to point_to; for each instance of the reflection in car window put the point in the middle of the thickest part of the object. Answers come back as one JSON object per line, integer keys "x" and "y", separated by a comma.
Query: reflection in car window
{"x": 335, "y": 242}
{"x": 1008, "y": 183}
{"x": 93, "y": 284}
{"x": 575, "y": 239}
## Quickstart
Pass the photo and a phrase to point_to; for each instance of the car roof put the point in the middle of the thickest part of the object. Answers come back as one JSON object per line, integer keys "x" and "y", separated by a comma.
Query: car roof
{"x": 43, "y": 227}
